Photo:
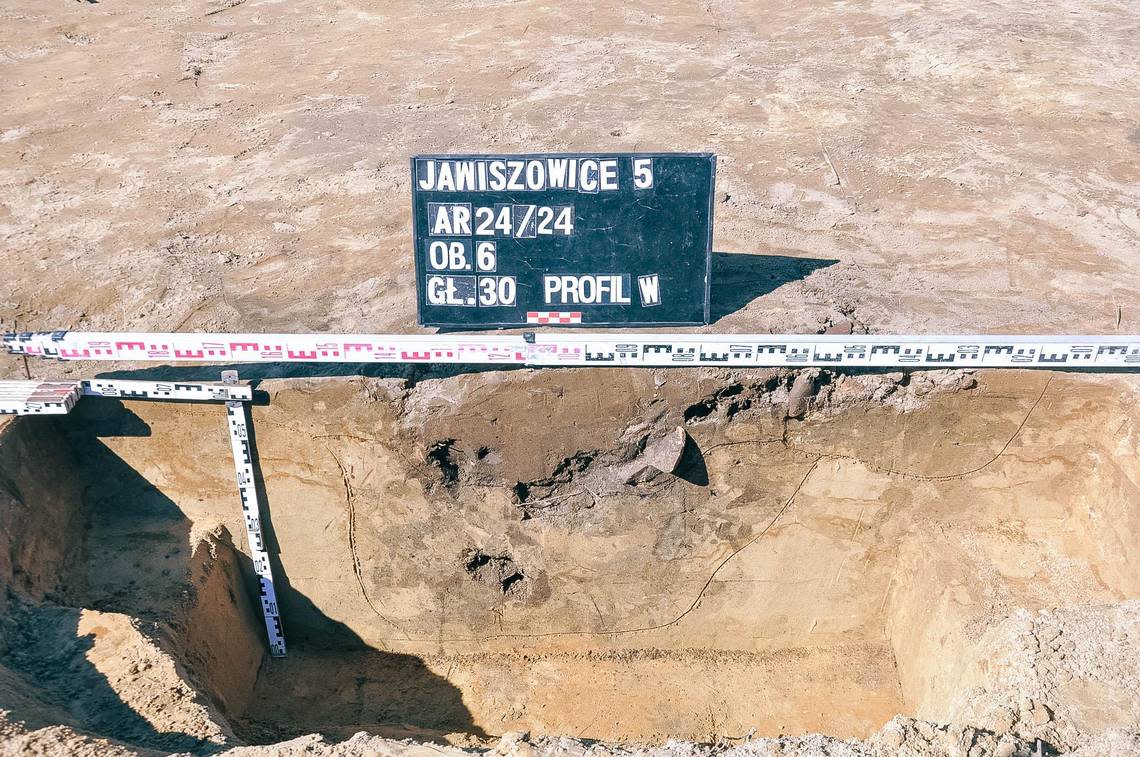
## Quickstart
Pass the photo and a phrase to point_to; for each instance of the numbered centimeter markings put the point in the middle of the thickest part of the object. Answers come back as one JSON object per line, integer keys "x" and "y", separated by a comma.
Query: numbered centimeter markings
{"x": 38, "y": 397}
{"x": 247, "y": 488}
{"x": 164, "y": 390}
{"x": 59, "y": 397}
{"x": 649, "y": 350}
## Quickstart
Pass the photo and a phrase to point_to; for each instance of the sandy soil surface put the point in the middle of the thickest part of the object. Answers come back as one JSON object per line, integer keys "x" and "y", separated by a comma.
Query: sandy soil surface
{"x": 943, "y": 167}
{"x": 458, "y": 558}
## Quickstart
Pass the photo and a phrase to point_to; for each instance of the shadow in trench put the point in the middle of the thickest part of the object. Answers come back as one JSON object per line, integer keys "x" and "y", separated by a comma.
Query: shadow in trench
{"x": 138, "y": 563}
{"x": 336, "y": 683}
{"x": 46, "y": 659}
{"x": 136, "y": 543}
{"x": 46, "y": 667}
{"x": 691, "y": 466}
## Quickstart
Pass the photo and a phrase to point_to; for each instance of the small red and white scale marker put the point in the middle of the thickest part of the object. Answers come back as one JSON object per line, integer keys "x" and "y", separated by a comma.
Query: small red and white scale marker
{"x": 553, "y": 317}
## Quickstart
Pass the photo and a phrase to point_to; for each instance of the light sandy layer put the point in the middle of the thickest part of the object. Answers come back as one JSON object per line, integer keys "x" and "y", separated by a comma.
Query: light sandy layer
{"x": 442, "y": 573}
{"x": 941, "y": 167}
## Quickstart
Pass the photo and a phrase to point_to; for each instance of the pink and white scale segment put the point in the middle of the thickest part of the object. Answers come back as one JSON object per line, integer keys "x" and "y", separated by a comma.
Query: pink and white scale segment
{"x": 595, "y": 349}
{"x": 556, "y": 317}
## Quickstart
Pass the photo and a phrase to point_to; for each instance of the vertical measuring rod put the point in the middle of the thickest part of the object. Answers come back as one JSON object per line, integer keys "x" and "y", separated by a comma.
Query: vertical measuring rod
{"x": 238, "y": 427}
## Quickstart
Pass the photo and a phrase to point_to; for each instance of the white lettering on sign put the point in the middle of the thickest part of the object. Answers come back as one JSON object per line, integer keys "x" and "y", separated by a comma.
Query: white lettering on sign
{"x": 515, "y": 168}
{"x": 498, "y": 169}
{"x": 532, "y": 175}
{"x": 486, "y": 256}
{"x": 522, "y": 216}
{"x": 590, "y": 289}
{"x": 449, "y": 220}
{"x": 557, "y": 172}
{"x": 608, "y": 175}
{"x": 449, "y": 255}
{"x": 451, "y": 290}
{"x": 643, "y": 173}
{"x": 497, "y": 291}
{"x": 650, "y": 289}
{"x": 519, "y": 221}
{"x": 588, "y": 176}
{"x": 535, "y": 174}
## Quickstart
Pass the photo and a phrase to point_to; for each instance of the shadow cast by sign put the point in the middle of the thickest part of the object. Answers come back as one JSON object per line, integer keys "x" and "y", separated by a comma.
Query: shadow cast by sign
{"x": 739, "y": 278}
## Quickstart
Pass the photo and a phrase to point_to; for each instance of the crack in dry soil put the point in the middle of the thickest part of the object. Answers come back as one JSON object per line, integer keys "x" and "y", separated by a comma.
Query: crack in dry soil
{"x": 892, "y": 471}
{"x": 351, "y": 509}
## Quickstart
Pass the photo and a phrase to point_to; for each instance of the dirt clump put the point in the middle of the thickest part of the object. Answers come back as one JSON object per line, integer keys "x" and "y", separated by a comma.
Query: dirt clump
{"x": 578, "y": 481}
{"x": 493, "y": 570}
{"x": 109, "y": 675}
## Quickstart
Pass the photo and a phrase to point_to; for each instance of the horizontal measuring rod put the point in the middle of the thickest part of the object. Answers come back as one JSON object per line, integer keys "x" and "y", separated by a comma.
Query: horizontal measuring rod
{"x": 183, "y": 391}
{"x": 59, "y": 397}
{"x": 563, "y": 349}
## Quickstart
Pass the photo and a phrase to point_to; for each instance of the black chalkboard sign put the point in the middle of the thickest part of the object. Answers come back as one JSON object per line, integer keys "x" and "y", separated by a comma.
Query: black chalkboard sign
{"x": 569, "y": 239}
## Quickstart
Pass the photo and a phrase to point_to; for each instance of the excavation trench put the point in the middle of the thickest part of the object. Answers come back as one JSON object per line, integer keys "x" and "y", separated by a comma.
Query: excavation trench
{"x": 489, "y": 552}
